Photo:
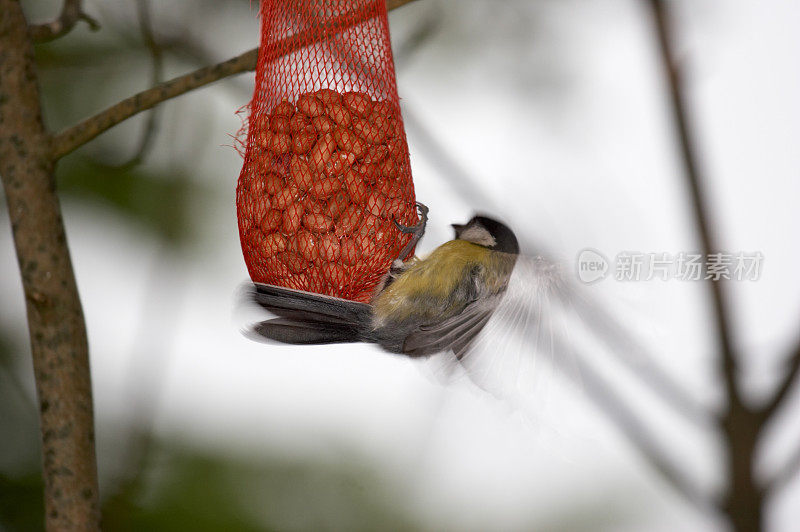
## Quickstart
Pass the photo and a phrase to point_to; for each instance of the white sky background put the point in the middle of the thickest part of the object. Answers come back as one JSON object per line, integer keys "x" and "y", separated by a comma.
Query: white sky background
{"x": 558, "y": 111}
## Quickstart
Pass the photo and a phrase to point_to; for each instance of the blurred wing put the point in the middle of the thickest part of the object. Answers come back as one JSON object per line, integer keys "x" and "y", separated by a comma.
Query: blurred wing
{"x": 511, "y": 355}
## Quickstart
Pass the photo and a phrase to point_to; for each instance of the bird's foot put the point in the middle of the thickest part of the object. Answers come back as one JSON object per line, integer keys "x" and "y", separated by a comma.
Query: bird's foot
{"x": 416, "y": 231}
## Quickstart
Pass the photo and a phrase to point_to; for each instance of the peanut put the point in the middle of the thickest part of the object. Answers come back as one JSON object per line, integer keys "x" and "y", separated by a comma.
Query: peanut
{"x": 279, "y": 124}
{"x": 339, "y": 114}
{"x": 292, "y": 218}
{"x": 270, "y": 221}
{"x": 328, "y": 96}
{"x": 317, "y": 223}
{"x": 285, "y": 197}
{"x": 306, "y": 245}
{"x": 325, "y": 188}
{"x": 310, "y": 105}
{"x": 273, "y": 244}
{"x": 358, "y": 103}
{"x": 301, "y": 173}
{"x": 329, "y": 248}
{"x": 295, "y": 262}
{"x": 303, "y": 140}
{"x": 321, "y": 152}
{"x": 284, "y": 108}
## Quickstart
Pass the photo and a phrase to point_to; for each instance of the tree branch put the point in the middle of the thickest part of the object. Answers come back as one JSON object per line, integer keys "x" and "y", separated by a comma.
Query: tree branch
{"x": 71, "y": 13}
{"x": 75, "y": 136}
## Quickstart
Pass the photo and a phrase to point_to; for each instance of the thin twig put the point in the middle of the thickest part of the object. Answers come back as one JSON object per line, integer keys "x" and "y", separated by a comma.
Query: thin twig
{"x": 697, "y": 196}
{"x": 71, "y": 13}
{"x": 81, "y": 133}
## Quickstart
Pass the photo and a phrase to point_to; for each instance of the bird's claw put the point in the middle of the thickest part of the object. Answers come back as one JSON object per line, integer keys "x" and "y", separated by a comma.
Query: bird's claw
{"x": 418, "y": 228}
{"x": 416, "y": 231}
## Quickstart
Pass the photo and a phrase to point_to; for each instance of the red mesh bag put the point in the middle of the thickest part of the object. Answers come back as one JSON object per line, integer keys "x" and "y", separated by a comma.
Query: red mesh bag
{"x": 326, "y": 170}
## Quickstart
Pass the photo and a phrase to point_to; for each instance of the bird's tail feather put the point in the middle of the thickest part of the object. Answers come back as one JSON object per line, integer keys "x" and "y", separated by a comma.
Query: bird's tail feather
{"x": 304, "y": 332}
{"x": 306, "y": 318}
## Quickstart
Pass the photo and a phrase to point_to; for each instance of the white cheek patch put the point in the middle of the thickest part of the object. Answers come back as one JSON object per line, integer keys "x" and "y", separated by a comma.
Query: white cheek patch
{"x": 477, "y": 235}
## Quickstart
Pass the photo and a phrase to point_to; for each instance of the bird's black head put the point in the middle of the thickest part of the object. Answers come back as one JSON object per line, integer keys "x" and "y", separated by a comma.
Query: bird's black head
{"x": 488, "y": 232}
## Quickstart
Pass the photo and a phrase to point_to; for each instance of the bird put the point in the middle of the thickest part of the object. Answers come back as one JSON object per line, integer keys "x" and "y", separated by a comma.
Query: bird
{"x": 439, "y": 303}
{"x": 505, "y": 321}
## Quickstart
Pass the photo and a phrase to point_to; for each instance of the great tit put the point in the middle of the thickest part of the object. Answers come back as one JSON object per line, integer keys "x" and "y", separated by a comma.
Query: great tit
{"x": 436, "y": 304}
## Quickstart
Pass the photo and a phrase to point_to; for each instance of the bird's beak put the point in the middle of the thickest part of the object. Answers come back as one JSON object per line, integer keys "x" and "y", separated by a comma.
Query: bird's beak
{"x": 458, "y": 228}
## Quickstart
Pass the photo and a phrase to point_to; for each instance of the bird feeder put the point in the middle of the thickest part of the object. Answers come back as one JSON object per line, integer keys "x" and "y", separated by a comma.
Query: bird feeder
{"x": 326, "y": 175}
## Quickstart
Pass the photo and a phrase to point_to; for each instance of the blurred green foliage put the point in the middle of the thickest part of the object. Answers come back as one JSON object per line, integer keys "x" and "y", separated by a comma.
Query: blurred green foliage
{"x": 195, "y": 493}
{"x": 21, "y": 502}
{"x": 189, "y": 489}
{"x": 156, "y": 202}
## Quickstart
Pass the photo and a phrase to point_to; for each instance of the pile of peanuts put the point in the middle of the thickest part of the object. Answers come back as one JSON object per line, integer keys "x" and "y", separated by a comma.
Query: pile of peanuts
{"x": 324, "y": 180}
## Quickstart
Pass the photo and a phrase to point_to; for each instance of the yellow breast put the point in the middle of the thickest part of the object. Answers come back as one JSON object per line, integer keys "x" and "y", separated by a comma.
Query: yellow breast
{"x": 426, "y": 289}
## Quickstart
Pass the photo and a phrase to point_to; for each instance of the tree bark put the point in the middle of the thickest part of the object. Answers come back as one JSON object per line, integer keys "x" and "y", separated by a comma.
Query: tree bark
{"x": 55, "y": 317}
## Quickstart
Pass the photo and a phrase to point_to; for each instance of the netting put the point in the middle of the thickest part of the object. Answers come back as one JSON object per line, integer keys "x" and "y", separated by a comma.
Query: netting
{"x": 326, "y": 169}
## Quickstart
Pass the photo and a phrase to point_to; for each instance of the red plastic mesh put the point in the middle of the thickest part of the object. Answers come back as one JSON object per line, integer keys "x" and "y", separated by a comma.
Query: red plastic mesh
{"x": 326, "y": 169}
